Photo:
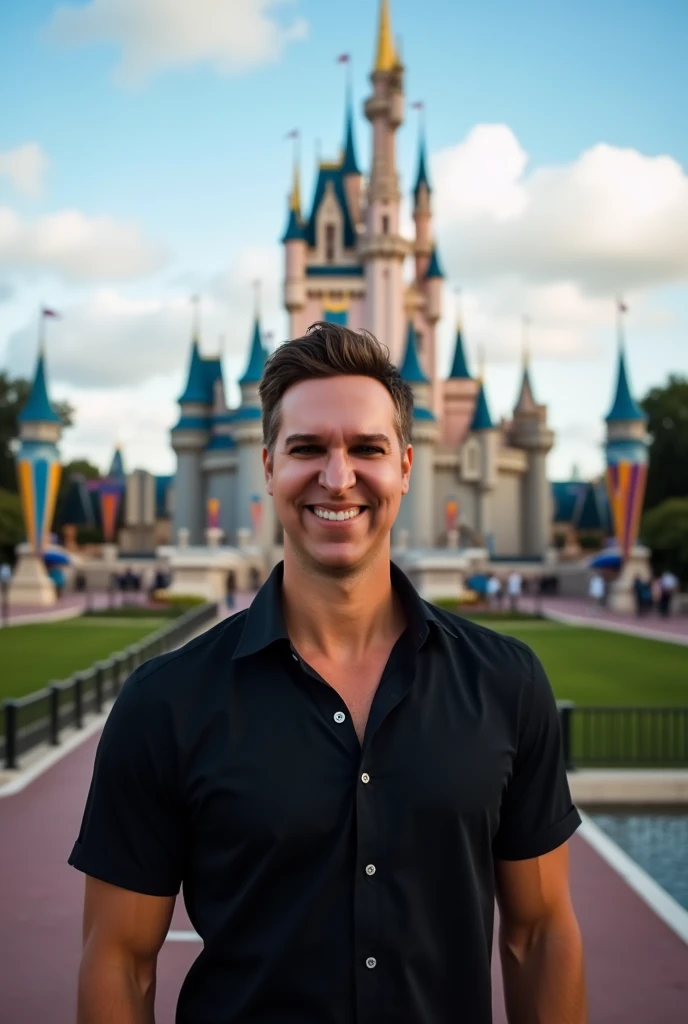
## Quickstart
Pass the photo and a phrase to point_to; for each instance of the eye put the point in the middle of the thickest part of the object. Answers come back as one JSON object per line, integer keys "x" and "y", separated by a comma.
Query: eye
{"x": 368, "y": 449}
{"x": 305, "y": 449}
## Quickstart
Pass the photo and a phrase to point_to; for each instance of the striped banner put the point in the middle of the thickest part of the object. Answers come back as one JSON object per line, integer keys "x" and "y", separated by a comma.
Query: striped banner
{"x": 213, "y": 513}
{"x": 39, "y": 480}
{"x": 626, "y": 489}
{"x": 256, "y": 514}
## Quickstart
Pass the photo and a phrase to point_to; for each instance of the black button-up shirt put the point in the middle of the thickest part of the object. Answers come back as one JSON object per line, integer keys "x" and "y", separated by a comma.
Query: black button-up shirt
{"x": 331, "y": 883}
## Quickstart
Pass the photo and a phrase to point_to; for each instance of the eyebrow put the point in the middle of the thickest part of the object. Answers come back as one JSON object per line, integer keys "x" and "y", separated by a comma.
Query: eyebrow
{"x": 356, "y": 439}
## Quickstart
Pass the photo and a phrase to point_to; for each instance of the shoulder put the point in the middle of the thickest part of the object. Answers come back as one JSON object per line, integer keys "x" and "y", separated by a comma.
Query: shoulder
{"x": 496, "y": 650}
{"x": 184, "y": 670}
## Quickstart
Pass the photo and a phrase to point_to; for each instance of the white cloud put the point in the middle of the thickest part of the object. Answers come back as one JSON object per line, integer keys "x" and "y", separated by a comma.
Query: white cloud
{"x": 112, "y": 341}
{"x": 25, "y": 166}
{"x": 232, "y": 35}
{"x": 76, "y": 247}
{"x": 614, "y": 219}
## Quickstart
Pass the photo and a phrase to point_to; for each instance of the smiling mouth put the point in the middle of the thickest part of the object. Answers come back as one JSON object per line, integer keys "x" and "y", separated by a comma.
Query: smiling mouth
{"x": 329, "y": 515}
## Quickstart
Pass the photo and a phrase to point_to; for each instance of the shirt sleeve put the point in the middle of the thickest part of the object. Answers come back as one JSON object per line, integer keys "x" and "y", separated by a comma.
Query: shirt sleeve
{"x": 132, "y": 832}
{"x": 537, "y": 814}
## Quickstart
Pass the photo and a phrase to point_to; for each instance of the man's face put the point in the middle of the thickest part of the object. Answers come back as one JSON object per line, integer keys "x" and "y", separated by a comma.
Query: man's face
{"x": 337, "y": 472}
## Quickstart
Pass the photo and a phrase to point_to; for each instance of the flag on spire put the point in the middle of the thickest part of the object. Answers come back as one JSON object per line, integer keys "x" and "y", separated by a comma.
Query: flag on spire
{"x": 50, "y": 313}
{"x": 344, "y": 58}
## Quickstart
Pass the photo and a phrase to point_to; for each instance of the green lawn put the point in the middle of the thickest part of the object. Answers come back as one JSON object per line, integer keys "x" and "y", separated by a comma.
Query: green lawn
{"x": 592, "y": 666}
{"x": 32, "y": 656}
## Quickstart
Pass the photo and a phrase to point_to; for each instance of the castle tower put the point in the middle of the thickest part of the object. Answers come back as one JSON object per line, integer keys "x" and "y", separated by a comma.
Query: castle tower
{"x": 626, "y": 452}
{"x": 38, "y": 475}
{"x": 190, "y": 436}
{"x": 253, "y": 513}
{"x": 459, "y": 394}
{"x": 487, "y": 436}
{"x": 529, "y": 431}
{"x": 381, "y": 248}
{"x": 294, "y": 241}
{"x": 418, "y": 518}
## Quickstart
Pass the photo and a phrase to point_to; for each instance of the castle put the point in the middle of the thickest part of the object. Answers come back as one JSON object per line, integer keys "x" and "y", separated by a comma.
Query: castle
{"x": 475, "y": 482}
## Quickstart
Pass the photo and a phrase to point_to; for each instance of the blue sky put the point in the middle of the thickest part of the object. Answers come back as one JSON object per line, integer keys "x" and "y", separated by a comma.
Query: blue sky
{"x": 175, "y": 169}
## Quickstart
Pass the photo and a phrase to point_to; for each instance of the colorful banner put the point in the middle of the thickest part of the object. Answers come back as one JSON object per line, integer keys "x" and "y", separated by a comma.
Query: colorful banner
{"x": 213, "y": 513}
{"x": 39, "y": 479}
{"x": 256, "y": 514}
{"x": 451, "y": 513}
{"x": 109, "y": 507}
{"x": 626, "y": 489}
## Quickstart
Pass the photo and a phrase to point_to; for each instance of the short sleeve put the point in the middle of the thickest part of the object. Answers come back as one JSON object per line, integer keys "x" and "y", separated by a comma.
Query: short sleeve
{"x": 132, "y": 832}
{"x": 537, "y": 814}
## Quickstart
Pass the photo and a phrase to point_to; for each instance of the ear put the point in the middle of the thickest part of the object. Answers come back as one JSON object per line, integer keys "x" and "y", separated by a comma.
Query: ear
{"x": 267, "y": 469}
{"x": 406, "y": 463}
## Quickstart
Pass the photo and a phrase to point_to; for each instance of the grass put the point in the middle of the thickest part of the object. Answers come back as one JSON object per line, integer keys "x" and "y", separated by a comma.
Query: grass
{"x": 34, "y": 655}
{"x": 595, "y": 667}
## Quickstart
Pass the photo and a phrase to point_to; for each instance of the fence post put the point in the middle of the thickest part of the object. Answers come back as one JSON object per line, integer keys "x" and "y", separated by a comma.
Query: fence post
{"x": 78, "y": 700}
{"x": 10, "y": 734}
{"x": 98, "y": 674}
{"x": 566, "y": 709}
{"x": 54, "y": 714}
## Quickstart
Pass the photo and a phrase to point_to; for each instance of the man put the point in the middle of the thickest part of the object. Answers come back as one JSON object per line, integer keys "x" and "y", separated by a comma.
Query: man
{"x": 668, "y": 584}
{"x": 340, "y": 776}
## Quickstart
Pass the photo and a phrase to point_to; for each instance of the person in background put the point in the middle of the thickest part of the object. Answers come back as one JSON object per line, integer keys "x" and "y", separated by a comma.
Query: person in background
{"x": 668, "y": 585}
{"x": 514, "y": 586}
{"x": 494, "y": 591}
{"x": 596, "y": 590}
{"x": 230, "y": 588}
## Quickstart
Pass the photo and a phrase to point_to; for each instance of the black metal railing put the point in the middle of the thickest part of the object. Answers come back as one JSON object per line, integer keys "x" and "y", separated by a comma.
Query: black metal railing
{"x": 41, "y": 716}
{"x": 623, "y": 737}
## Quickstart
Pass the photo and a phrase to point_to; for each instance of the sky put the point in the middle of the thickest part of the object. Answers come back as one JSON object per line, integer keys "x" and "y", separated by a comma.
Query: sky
{"x": 144, "y": 159}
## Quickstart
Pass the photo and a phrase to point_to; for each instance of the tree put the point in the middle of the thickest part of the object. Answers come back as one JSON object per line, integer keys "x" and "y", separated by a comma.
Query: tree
{"x": 667, "y": 410}
{"x": 13, "y": 396}
{"x": 12, "y": 530}
{"x": 665, "y": 531}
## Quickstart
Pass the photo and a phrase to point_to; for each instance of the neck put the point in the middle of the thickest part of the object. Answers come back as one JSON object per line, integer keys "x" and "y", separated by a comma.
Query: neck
{"x": 340, "y": 616}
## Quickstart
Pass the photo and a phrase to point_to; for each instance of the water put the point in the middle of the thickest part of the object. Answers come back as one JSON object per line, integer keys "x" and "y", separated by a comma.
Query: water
{"x": 656, "y": 838}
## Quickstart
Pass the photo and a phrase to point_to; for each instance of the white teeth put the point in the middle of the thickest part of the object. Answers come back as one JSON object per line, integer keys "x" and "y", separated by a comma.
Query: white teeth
{"x": 326, "y": 513}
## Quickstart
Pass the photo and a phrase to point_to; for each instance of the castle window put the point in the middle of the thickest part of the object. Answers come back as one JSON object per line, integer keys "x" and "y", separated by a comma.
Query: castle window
{"x": 329, "y": 242}
{"x": 385, "y": 224}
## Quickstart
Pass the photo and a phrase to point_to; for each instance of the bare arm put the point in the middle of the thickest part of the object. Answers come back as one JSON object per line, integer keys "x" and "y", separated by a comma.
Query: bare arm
{"x": 122, "y": 936}
{"x": 540, "y": 942}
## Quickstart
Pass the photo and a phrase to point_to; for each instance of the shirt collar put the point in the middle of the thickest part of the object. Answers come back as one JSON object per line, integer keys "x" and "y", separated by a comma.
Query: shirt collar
{"x": 265, "y": 623}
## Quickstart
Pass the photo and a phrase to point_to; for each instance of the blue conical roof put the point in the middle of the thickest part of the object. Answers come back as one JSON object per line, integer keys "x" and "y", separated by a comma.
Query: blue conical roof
{"x": 38, "y": 408}
{"x": 196, "y": 389}
{"x": 411, "y": 371}
{"x": 481, "y": 417}
{"x": 117, "y": 464}
{"x": 422, "y": 177}
{"x": 625, "y": 406}
{"x": 434, "y": 268}
{"x": 349, "y": 162}
{"x": 459, "y": 369}
{"x": 256, "y": 358}
{"x": 295, "y": 228}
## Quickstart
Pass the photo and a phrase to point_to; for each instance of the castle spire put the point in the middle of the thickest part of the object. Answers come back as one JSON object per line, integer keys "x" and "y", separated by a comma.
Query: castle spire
{"x": 526, "y": 402}
{"x": 422, "y": 176}
{"x": 349, "y": 162}
{"x": 38, "y": 408}
{"x": 256, "y": 356}
{"x": 386, "y": 57}
{"x": 481, "y": 417}
{"x": 459, "y": 368}
{"x": 624, "y": 406}
{"x": 411, "y": 370}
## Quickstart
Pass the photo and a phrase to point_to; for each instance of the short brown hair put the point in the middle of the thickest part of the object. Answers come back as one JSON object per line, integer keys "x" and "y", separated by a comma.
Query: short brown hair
{"x": 330, "y": 350}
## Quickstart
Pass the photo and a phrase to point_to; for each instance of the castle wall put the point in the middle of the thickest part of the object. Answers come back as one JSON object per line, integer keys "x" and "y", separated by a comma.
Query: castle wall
{"x": 221, "y": 484}
{"x": 189, "y": 496}
{"x": 506, "y": 514}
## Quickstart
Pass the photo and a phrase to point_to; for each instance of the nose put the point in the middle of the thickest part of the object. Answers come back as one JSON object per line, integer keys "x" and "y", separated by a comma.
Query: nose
{"x": 338, "y": 474}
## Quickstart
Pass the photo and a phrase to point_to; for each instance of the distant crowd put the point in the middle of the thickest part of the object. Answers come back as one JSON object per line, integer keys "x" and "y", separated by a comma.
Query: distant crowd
{"x": 654, "y": 594}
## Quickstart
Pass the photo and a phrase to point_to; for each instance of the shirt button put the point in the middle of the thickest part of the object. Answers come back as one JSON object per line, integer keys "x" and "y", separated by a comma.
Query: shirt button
{"x": 365, "y": 777}
{"x": 339, "y": 716}
{"x": 370, "y": 869}
{"x": 371, "y": 962}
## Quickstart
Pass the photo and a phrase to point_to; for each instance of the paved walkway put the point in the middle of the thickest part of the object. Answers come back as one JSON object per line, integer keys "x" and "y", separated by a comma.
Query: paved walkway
{"x": 69, "y": 606}
{"x": 580, "y": 612}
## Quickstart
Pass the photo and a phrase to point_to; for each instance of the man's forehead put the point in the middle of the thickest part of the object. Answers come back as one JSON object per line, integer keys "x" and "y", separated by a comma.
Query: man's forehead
{"x": 348, "y": 405}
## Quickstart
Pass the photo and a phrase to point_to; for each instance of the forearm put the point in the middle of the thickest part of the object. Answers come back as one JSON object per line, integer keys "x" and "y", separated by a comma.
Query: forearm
{"x": 115, "y": 993}
{"x": 543, "y": 975}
